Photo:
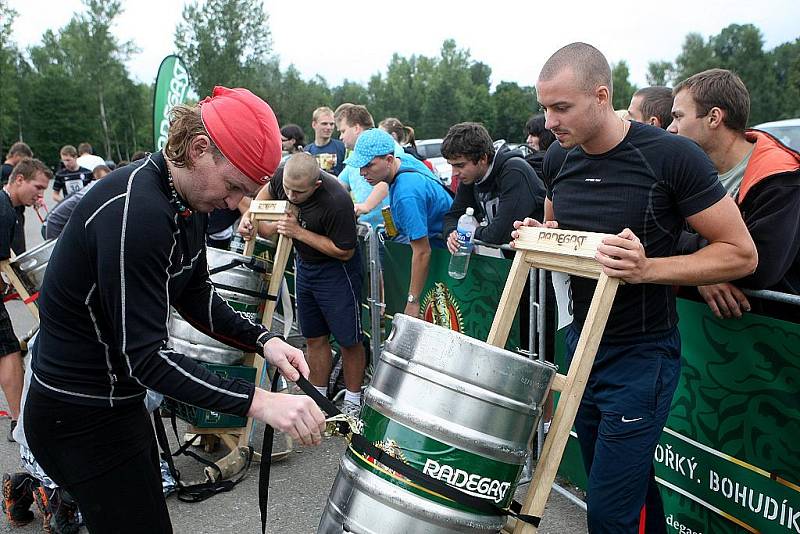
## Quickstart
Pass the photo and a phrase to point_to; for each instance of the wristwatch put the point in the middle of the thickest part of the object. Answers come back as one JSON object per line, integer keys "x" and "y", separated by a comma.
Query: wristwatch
{"x": 412, "y": 299}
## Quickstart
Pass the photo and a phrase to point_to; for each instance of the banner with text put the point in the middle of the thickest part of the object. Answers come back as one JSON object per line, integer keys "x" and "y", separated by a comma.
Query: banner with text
{"x": 172, "y": 84}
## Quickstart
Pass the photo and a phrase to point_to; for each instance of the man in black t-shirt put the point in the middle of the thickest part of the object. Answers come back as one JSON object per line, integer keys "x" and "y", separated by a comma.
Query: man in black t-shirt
{"x": 72, "y": 178}
{"x": 329, "y": 271}
{"x": 27, "y": 180}
{"x": 609, "y": 175}
{"x": 16, "y": 153}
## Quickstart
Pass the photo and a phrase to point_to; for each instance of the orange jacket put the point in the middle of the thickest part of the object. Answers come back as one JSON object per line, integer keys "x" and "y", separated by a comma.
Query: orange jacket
{"x": 769, "y": 157}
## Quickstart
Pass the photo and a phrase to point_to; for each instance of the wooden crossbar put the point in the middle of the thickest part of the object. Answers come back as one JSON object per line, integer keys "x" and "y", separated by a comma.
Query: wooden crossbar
{"x": 22, "y": 291}
{"x": 574, "y": 253}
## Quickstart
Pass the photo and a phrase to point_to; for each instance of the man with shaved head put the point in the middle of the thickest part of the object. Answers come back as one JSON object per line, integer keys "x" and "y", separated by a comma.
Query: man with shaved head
{"x": 641, "y": 185}
{"x": 329, "y": 271}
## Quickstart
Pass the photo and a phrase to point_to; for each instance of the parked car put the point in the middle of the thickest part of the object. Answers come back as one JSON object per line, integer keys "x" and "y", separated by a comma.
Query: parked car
{"x": 787, "y": 131}
{"x": 431, "y": 149}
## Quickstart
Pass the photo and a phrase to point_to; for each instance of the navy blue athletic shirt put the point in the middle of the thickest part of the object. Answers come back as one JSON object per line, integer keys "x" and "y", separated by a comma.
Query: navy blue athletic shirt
{"x": 123, "y": 259}
{"x": 651, "y": 182}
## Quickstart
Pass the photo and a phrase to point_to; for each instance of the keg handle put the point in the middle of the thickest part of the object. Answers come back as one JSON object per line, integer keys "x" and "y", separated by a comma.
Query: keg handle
{"x": 29, "y": 264}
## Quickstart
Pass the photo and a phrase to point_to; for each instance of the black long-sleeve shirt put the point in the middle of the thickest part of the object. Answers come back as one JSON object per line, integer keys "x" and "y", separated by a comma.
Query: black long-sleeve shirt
{"x": 123, "y": 259}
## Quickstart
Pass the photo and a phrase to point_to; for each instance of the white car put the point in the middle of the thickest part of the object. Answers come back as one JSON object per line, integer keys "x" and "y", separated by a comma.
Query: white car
{"x": 431, "y": 149}
{"x": 787, "y": 132}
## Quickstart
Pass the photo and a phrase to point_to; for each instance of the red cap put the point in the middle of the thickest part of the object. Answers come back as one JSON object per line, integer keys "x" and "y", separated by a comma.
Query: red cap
{"x": 245, "y": 130}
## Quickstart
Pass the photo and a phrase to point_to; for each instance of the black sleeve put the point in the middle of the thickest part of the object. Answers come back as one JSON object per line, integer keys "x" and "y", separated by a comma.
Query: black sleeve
{"x": 8, "y": 221}
{"x": 691, "y": 175}
{"x": 517, "y": 201}
{"x": 340, "y": 227}
{"x": 58, "y": 182}
{"x": 465, "y": 198}
{"x": 689, "y": 242}
{"x": 275, "y": 185}
{"x": 204, "y": 309}
{"x": 773, "y": 218}
{"x": 133, "y": 280}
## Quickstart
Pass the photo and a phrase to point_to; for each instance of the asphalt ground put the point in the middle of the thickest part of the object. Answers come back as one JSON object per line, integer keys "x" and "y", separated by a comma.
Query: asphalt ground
{"x": 299, "y": 484}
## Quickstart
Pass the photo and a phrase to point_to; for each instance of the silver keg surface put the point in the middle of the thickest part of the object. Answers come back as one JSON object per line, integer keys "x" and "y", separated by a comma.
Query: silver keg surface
{"x": 459, "y": 390}
{"x": 453, "y": 407}
{"x": 189, "y": 341}
{"x": 31, "y": 265}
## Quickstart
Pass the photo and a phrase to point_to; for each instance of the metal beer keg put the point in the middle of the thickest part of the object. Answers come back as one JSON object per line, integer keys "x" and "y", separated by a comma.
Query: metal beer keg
{"x": 456, "y": 408}
{"x": 30, "y": 266}
{"x": 241, "y": 286}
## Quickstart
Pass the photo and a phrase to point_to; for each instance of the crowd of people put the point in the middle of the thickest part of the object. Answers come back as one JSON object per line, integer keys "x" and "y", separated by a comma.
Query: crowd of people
{"x": 691, "y": 196}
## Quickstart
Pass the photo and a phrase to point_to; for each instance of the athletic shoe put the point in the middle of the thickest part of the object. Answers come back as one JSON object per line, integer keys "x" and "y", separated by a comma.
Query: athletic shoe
{"x": 350, "y": 408}
{"x": 59, "y": 511}
{"x": 10, "y": 436}
{"x": 17, "y": 498}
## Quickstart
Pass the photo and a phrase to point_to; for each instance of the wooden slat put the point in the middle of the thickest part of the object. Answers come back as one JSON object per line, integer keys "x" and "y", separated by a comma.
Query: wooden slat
{"x": 562, "y": 242}
{"x": 509, "y": 301}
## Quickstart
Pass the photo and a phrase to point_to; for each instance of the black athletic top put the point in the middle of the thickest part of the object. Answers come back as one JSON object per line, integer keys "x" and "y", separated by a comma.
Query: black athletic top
{"x": 123, "y": 259}
{"x": 649, "y": 183}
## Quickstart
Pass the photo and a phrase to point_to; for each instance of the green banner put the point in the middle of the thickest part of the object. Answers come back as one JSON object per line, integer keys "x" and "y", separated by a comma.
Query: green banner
{"x": 467, "y": 306}
{"x": 172, "y": 84}
{"x": 729, "y": 459}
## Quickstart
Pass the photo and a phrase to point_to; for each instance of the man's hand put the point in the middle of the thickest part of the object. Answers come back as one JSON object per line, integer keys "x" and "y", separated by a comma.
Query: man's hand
{"x": 725, "y": 300}
{"x": 452, "y": 242}
{"x": 412, "y": 309}
{"x": 530, "y": 222}
{"x": 297, "y": 415}
{"x": 289, "y": 360}
{"x": 360, "y": 209}
{"x": 289, "y": 227}
{"x": 246, "y": 228}
{"x": 622, "y": 256}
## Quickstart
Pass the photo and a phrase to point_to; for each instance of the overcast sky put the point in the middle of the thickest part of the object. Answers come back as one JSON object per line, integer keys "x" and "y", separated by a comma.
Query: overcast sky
{"x": 513, "y": 37}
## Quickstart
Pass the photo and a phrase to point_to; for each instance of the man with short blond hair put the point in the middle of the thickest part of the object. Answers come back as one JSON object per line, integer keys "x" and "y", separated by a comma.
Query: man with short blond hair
{"x": 641, "y": 185}
{"x": 328, "y": 151}
{"x": 759, "y": 172}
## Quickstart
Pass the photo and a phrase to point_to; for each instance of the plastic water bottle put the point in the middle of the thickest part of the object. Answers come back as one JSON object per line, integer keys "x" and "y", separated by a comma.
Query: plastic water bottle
{"x": 460, "y": 260}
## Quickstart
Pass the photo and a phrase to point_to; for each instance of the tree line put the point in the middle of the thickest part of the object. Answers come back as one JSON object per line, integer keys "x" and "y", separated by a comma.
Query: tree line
{"x": 75, "y": 86}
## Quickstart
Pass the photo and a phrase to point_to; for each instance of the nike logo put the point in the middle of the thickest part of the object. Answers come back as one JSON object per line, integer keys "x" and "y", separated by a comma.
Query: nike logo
{"x": 626, "y": 420}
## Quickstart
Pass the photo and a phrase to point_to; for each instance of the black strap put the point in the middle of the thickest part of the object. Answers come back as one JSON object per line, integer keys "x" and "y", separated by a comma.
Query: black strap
{"x": 193, "y": 492}
{"x": 257, "y": 294}
{"x": 251, "y": 264}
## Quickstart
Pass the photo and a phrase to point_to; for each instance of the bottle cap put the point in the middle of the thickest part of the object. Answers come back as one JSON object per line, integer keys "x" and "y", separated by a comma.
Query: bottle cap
{"x": 470, "y": 211}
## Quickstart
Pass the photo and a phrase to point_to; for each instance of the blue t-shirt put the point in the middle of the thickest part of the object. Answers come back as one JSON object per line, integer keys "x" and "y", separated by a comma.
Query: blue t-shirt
{"x": 419, "y": 202}
{"x": 360, "y": 190}
{"x": 330, "y": 156}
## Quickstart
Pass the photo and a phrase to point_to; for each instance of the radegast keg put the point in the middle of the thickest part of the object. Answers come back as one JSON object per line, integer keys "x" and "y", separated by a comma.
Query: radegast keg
{"x": 31, "y": 265}
{"x": 453, "y": 407}
{"x": 242, "y": 288}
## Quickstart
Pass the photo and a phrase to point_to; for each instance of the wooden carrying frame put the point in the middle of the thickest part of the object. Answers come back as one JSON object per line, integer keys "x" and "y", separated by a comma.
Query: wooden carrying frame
{"x": 237, "y": 439}
{"x": 573, "y": 253}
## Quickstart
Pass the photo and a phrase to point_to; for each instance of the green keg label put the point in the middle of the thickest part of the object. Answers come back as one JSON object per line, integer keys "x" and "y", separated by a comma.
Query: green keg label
{"x": 471, "y": 473}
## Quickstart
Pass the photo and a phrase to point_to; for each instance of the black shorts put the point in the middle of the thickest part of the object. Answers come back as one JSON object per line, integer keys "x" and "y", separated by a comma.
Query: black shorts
{"x": 329, "y": 299}
{"x": 8, "y": 339}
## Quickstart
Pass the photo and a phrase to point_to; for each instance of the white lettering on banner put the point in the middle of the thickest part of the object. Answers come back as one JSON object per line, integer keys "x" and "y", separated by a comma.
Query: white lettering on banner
{"x": 679, "y": 527}
{"x": 755, "y": 501}
{"x": 177, "y": 91}
{"x": 474, "y": 484}
{"x": 675, "y": 461}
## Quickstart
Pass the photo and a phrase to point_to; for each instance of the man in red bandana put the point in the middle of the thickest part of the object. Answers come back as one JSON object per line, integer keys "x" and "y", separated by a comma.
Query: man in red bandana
{"x": 133, "y": 248}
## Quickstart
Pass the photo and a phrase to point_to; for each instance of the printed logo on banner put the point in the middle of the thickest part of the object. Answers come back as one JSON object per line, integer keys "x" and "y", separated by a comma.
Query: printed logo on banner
{"x": 439, "y": 307}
